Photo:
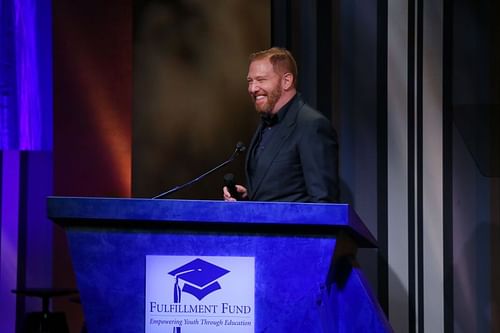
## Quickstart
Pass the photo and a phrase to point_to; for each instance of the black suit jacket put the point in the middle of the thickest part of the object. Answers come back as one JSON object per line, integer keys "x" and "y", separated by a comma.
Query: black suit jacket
{"x": 299, "y": 162}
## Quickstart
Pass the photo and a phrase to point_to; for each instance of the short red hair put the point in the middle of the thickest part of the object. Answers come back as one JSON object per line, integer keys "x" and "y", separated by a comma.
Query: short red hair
{"x": 281, "y": 59}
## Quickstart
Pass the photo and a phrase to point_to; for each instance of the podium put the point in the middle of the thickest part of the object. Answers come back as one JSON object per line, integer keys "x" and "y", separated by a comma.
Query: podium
{"x": 306, "y": 278}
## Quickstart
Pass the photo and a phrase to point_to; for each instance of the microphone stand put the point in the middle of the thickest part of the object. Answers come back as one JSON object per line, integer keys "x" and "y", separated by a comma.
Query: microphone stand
{"x": 240, "y": 147}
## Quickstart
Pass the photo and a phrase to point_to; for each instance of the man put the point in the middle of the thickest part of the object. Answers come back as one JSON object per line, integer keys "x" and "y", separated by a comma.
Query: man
{"x": 293, "y": 154}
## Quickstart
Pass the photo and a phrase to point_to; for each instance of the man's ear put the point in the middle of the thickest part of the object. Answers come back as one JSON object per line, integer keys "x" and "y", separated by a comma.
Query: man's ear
{"x": 287, "y": 81}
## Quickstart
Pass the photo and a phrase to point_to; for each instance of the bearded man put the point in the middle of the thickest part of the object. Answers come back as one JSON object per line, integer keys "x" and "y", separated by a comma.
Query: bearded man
{"x": 293, "y": 155}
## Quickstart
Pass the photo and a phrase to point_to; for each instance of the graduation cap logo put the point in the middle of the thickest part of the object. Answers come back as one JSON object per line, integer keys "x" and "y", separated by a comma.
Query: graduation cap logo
{"x": 199, "y": 277}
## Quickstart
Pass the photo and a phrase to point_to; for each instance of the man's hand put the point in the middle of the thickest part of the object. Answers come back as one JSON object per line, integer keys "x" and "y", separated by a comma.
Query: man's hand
{"x": 240, "y": 189}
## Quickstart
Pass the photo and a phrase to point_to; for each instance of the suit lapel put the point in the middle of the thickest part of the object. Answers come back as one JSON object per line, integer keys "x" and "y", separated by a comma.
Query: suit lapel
{"x": 250, "y": 155}
{"x": 279, "y": 138}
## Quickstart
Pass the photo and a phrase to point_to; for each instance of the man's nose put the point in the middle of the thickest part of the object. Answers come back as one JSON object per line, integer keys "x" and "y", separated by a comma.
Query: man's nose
{"x": 252, "y": 87}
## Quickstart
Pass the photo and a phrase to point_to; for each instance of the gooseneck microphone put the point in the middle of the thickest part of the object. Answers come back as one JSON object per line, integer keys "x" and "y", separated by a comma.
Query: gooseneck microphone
{"x": 240, "y": 147}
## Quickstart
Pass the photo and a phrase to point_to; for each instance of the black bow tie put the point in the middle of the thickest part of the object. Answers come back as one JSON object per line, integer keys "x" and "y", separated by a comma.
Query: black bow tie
{"x": 269, "y": 120}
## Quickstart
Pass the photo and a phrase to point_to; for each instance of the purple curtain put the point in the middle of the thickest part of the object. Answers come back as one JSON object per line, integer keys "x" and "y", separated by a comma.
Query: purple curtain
{"x": 25, "y": 75}
{"x": 25, "y": 155}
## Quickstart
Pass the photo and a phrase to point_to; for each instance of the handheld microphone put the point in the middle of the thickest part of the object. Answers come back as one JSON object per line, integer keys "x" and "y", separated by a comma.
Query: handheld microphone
{"x": 231, "y": 186}
{"x": 240, "y": 147}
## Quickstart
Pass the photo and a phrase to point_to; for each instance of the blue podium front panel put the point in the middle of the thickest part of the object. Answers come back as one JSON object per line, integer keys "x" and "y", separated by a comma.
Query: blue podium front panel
{"x": 303, "y": 256}
{"x": 289, "y": 275}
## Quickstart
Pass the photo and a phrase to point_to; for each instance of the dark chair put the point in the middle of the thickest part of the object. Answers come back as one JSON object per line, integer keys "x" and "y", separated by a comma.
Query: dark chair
{"x": 45, "y": 321}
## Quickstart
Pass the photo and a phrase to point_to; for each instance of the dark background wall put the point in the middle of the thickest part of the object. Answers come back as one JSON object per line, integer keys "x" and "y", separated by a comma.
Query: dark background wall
{"x": 411, "y": 87}
{"x": 474, "y": 100}
{"x": 191, "y": 104}
{"x": 92, "y": 59}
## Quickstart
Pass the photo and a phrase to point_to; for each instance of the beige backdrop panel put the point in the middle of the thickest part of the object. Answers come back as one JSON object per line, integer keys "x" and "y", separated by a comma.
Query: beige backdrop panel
{"x": 190, "y": 98}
